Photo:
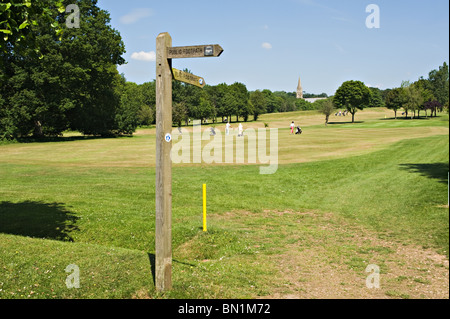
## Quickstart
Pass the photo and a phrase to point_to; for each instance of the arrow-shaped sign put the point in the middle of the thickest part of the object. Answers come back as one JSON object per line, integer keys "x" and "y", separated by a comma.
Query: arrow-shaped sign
{"x": 188, "y": 78}
{"x": 195, "y": 51}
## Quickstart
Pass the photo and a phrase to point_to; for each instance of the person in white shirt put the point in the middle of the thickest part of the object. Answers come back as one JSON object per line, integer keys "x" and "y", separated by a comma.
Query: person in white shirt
{"x": 227, "y": 128}
{"x": 292, "y": 127}
{"x": 241, "y": 130}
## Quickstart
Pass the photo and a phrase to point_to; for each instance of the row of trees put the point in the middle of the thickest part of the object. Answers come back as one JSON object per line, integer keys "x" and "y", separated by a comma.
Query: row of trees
{"x": 423, "y": 95}
{"x": 234, "y": 102}
{"x": 215, "y": 103}
{"x": 54, "y": 78}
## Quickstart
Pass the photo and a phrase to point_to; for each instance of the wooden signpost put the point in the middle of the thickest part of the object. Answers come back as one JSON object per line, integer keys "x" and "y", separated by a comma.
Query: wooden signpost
{"x": 194, "y": 51}
{"x": 188, "y": 78}
{"x": 163, "y": 188}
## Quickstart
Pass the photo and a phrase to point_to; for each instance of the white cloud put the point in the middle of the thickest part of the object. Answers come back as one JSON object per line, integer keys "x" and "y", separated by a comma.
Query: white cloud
{"x": 144, "y": 56}
{"x": 267, "y": 45}
{"x": 135, "y": 15}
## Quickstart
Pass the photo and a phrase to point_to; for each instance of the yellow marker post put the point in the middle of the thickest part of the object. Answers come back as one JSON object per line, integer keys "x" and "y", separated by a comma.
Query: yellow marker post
{"x": 204, "y": 207}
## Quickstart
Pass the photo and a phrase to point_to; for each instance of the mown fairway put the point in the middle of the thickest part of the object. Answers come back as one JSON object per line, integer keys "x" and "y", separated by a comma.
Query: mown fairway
{"x": 343, "y": 197}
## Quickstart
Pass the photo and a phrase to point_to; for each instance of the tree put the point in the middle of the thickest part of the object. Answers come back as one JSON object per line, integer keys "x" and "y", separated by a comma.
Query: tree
{"x": 180, "y": 113}
{"x": 74, "y": 84}
{"x": 423, "y": 86}
{"x": 413, "y": 97}
{"x": 395, "y": 100}
{"x": 439, "y": 84}
{"x": 259, "y": 103}
{"x": 145, "y": 115}
{"x": 148, "y": 108}
{"x": 127, "y": 115}
{"x": 376, "y": 100}
{"x": 273, "y": 103}
{"x": 241, "y": 96}
{"x": 204, "y": 109}
{"x": 352, "y": 95}
{"x": 431, "y": 105}
{"x": 17, "y": 18}
{"x": 229, "y": 103}
{"x": 96, "y": 49}
{"x": 311, "y": 95}
{"x": 218, "y": 99}
{"x": 287, "y": 101}
{"x": 303, "y": 105}
{"x": 248, "y": 110}
{"x": 327, "y": 108}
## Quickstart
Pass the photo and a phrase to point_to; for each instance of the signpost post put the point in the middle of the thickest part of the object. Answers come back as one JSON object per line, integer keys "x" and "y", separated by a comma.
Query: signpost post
{"x": 163, "y": 187}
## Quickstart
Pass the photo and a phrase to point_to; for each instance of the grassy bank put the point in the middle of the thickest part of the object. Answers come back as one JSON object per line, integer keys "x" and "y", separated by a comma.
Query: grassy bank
{"x": 91, "y": 203}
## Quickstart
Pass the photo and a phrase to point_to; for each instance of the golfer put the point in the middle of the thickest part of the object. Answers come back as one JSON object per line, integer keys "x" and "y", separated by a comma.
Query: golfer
{"x": 292, "y": 127}
{"x": 241, "y": 130}
{"x": 227, "y": 128}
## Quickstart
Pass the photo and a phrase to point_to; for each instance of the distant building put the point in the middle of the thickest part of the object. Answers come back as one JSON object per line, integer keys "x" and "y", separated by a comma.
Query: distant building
{"x": 299, "y": 89}
{"x": 314, "y": 99}
{"x": 300, "y": 94}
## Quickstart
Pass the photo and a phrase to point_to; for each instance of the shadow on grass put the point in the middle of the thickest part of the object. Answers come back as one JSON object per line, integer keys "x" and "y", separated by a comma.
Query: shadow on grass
{"x": 347, "y": 122}
{"x": 437, "y": 171}
{"x": 151, "y": 258}
{"x": 37, "y": 219}
{"x": 403, "y": 118}
{"x": 26, "y": 140}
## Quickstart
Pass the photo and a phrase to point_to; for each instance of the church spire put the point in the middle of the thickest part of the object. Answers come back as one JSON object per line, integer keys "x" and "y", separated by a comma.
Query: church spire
{"x": 299, "y": 89}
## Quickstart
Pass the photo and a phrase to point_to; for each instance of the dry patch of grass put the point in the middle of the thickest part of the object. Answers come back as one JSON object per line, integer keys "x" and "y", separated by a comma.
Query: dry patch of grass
{"x": 320, "y": 255}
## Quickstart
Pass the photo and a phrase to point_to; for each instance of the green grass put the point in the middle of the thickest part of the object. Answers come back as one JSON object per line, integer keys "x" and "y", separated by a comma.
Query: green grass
{"x": 91, "y": 203}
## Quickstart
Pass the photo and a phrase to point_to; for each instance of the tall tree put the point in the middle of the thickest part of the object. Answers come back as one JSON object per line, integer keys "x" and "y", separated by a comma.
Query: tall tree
{"x": 353, "y": 96}
{"x": 241, "y": 96}
{"x": 395, "y": 100}
{"x": 74, "y": 84}
{"x": 17, "y": 18}
{"x": 432, "y": 105}
{"x": 203, "y": 109}
{"x": 131, "y": 101}
{"x": 413, "y": 97}
{"x": 272, "y": 103}
{"x": 439, "y": 84}
{"x": 180, "y": 113}
{"x": 95, "y": 49}
{"x": 303, "y": 105}
{"x": 424, "y": 88}
{"x": 376, "y": 99}
{"x": 259, "y": 103}
{"x": 327, "y": 108}
{"x": 148, "y": 107}
{"x": 219, "y": 100}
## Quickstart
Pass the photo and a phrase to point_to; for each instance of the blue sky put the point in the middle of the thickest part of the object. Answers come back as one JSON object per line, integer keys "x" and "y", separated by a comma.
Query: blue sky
{"x": 268, "y": 44}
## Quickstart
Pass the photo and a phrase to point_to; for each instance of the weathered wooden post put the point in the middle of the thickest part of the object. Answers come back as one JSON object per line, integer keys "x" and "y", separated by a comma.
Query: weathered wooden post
{"x": 163, "y": 188}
